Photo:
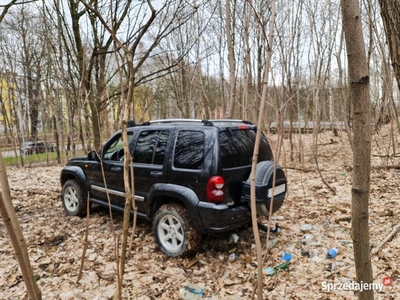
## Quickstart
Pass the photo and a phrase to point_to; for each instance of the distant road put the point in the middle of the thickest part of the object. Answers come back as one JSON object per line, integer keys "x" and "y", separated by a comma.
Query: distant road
{"x": 9, "y": 153}
{"x": 308, "y": 126}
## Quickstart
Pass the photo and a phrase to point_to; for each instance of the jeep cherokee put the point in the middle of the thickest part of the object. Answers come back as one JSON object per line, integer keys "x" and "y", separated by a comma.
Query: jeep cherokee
{"x": 190, "y": 177}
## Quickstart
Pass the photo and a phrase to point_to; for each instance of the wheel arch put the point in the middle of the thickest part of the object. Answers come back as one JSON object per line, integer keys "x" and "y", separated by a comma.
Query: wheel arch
{"x": 74, "y": 172}
{"x": 183, "y": 196}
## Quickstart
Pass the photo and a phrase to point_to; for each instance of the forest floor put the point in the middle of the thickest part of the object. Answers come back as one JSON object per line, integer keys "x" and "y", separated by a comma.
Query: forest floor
{"x": 315, "y": 217}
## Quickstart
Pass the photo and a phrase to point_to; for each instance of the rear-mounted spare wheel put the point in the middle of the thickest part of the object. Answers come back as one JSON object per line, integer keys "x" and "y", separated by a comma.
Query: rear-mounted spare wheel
{"x": 264, "y": 177}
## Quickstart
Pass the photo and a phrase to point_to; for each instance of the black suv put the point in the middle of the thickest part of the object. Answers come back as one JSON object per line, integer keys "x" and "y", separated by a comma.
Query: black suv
{"x": 37, "y": 147}
{"x": 191, "y": 177}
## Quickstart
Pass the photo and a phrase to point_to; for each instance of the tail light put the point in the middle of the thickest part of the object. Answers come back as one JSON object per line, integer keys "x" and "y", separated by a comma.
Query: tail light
{"x": 215, "y": 189}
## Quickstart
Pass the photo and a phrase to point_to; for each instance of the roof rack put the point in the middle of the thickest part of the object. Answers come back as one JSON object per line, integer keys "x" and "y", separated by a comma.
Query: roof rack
{"x": 230, "y": 121}
{"x": 176, "y": 121}
{"x": 164, "y": 121}
{"x": 205, "y": 122}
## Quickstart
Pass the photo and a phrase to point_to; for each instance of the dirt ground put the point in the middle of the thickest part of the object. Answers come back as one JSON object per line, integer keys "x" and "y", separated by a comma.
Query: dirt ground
{"x": 315, "y": 217}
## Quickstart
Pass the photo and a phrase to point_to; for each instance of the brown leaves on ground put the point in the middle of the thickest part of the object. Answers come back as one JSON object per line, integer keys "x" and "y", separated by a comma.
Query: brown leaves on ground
{"x": 312, "y": 220}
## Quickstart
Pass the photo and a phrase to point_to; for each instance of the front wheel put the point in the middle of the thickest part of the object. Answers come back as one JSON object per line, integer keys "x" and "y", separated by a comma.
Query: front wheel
{"x": 173, "y": 230}
{"x": 73, "y": 200}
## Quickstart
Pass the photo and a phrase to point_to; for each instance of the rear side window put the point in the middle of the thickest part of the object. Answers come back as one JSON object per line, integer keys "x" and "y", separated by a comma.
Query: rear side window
{"x": 151, "y": 147}
{"x": 237, "y": 146}
{"x": 189, "y": 150}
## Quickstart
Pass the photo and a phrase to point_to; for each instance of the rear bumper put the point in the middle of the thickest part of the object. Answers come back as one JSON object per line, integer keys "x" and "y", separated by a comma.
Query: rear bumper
{"x": 262, "y": 194}
{"x": 222, "y": 218}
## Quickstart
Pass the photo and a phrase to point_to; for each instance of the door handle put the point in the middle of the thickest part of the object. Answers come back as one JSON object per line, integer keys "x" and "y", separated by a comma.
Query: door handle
{"x": 115, "y": 169}
{"x": 156, "y": 174}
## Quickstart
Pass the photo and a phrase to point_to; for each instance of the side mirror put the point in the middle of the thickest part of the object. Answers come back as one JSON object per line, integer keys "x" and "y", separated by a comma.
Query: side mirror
{"x": 92, "y": 155}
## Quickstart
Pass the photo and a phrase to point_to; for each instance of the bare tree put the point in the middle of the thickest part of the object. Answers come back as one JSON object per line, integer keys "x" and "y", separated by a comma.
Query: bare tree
{"x": 268, "y": 42}
{"x": 135, "y": 56}
{"x": 230, "y": 38}
{"x": 359, "y": 87}
{"x": 382, "y": 86}
{"x": 25, "y": 27}
{"x": 289, "y": 38}
{"x": 343, "y": 91}
{"x": 7, "y": 212}
{"x": 11, "y": 223}
{"x": 6, "y": 8}
{"x": 390, "y": 12}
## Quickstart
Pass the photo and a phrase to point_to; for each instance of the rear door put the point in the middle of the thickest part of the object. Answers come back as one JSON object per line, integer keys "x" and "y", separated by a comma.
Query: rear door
{"x": 149, "y": 160}
{"x": 236, "y": 153}
{"x": 193, "y": 159}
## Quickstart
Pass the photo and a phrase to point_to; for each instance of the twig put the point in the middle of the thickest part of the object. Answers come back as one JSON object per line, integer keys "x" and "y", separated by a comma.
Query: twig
{"x": 386, "y": 239}
{"x": 332, "y": 189}
{"x": 301, "y": 169}
{"x": 85, "y": 242}
{"x": 133, "y": 202}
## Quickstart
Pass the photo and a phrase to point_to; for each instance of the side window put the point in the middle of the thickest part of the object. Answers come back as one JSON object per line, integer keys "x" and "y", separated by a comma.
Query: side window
{"x": 189, "y": 150}
{"x": 150, "y": 147}
{"x": 115, "y": 150}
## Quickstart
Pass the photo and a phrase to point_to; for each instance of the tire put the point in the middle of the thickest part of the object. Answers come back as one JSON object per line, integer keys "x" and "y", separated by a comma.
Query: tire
{"x": 264, "y": 175}
{"x": 73, "y": 200}
{"x": 173, "y": 231}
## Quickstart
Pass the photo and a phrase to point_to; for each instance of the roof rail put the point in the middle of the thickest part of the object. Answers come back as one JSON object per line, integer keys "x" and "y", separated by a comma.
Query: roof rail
{"x": 205, "y": 122}
{"x": 164, "y": 121}
{"x": 230, "y": 121}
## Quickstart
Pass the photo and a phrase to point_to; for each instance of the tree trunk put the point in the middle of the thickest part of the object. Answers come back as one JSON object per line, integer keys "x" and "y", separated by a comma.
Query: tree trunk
{"x": 359, "y": 89}
{"x": 268, "y": 42}
{"x": 232, "y": 63}
{"x": 7, "y": 212}
{"x": 344, "y": 104}
{"x": 95, "y": 121}
{"x": 390, "y": 12}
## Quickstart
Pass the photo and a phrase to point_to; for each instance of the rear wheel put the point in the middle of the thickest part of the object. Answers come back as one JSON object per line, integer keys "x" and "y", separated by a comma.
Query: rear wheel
{"x": 73, "y": 200}
{"x": 173, "y": 230}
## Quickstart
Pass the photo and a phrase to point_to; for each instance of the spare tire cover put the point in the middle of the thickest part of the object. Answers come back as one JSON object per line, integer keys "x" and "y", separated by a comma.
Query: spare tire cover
{"x": 264, "y": 175}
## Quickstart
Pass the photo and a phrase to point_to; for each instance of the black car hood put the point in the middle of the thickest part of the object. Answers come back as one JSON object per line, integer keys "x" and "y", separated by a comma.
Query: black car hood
{"x": 78, "y": 158}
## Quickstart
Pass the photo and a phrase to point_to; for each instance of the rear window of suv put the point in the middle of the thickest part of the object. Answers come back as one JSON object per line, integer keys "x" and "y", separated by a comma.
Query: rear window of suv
{"x": 237, "y": 145}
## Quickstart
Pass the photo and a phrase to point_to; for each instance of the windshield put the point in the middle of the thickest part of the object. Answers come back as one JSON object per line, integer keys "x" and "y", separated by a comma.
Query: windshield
{"x": 237, "y": 145}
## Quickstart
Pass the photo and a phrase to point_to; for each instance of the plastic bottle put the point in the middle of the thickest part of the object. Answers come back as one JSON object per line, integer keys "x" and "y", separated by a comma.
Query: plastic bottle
{"x": 193, "y": 291}
{"x": 269, "y": 271}
{"x": 277, "y": 229}
{"x": 283, "y": 266}
{"x": 306, "y": 227}
{"x": 286, "y": 256}
{"x": 233, "y": 239}
{"x": 232, "y": 256}
{"x": 332, "y": 253}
